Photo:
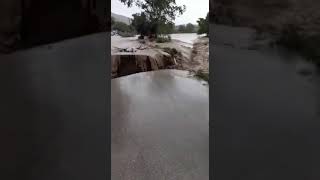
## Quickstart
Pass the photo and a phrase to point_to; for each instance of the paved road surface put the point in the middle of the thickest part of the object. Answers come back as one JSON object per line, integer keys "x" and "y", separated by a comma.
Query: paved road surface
{"x": 160, "y": 127}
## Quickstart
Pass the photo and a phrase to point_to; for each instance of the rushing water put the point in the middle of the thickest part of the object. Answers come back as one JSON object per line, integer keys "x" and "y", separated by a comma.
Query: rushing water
{"x": 185, "y": 37}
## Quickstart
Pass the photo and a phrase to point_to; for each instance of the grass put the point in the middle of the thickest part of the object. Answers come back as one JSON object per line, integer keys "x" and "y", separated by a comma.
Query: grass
{"x": 202, "y": 75}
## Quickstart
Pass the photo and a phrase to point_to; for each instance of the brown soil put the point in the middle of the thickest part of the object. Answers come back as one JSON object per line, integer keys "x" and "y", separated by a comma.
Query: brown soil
{"x": 200, "y": 56}
{"x": 149, "y": 56}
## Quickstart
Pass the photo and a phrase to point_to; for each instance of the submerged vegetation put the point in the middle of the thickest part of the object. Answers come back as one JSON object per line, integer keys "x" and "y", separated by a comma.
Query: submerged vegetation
{"x": 172, "y": 51}
{"x": 163, "y": 38}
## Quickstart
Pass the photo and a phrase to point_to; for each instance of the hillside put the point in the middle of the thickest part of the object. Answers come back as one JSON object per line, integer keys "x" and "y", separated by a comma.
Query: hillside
{"x": 121, "y": 18}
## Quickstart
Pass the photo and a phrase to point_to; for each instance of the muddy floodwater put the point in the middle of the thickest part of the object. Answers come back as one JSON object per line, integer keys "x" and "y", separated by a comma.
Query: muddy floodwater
{"x": 266, "y": 110}
{"x": 160, "y": 126}
{"x": 188, "y": 38}
{"x": 130, "y": 55}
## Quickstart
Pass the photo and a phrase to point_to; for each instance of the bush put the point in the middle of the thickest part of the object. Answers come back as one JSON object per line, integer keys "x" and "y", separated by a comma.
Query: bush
{"x": 203, "y": 25}
{"x": 123, "y": 29}
{"x": 163, "y": 39}
{"x": 202, "y": 75}
{"x": 172, "y": 51}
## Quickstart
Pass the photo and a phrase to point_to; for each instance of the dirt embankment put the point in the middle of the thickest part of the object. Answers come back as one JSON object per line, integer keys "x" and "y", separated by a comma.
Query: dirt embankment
{"x": 130, "y": 56}
{"x": 200, "y": 55}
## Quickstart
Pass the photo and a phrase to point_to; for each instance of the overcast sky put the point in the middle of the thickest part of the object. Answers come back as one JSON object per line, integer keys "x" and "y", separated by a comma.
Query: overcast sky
{"x": 194, "y": 10}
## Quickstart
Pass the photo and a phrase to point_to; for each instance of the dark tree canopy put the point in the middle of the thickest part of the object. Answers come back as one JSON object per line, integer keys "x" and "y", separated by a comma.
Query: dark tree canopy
{"x": 122, "y": 27}
{"x": 157, "y": 12}
{"x": 140, "y": 23}
{"x": 203, "y": 25}
{"x": 190, "y": 28}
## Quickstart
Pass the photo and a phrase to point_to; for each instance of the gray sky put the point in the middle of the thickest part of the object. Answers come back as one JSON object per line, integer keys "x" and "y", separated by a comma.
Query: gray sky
{"x": 194, "y": 10}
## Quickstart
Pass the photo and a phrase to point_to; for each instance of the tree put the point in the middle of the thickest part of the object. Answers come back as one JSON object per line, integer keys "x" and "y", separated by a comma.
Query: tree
{"x": 181, "y": 28}
{"x": 141, "y": 24}
{"x": 203, "y": 25}
{"x": 122, "y": 27}
{"x": 190, "y": 28}
{"x": 158, "y": 12}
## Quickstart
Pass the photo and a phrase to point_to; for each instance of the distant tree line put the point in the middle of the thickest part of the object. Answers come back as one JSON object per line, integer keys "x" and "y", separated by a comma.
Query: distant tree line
{"x": 156, "y": 17}
{"x": 188, "y": 28}
{"x": 122, "y": 28}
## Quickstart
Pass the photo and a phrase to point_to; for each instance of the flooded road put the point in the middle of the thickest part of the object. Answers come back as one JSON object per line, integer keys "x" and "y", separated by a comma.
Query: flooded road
{"x": 159, "y": 126}
{"x": 266, "y": 114}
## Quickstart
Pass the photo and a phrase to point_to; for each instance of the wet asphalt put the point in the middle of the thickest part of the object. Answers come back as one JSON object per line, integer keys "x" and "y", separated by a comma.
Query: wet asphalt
{"x": 160, "y": 126}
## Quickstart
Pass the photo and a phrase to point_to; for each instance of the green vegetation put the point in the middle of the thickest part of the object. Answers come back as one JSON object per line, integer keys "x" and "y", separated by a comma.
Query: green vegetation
{"x": 292, "y": 38}
{"x": 167, "y": 28}
{"x": 203, "y": 25}
{"x": 157, "y": 16}
{"x": 163, "y": 38}
{"x": 123, "y": 29}
{"x": 141, "y": 24}
{"x": 145, "y": 28}
{"x": 188, "y": 28}
{"x": 172, "y": 51}
{"x": 202, "y": 75}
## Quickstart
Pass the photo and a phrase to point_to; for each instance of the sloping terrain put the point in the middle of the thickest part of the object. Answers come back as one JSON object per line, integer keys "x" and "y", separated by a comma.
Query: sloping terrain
{"x": 121, "y": 18}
